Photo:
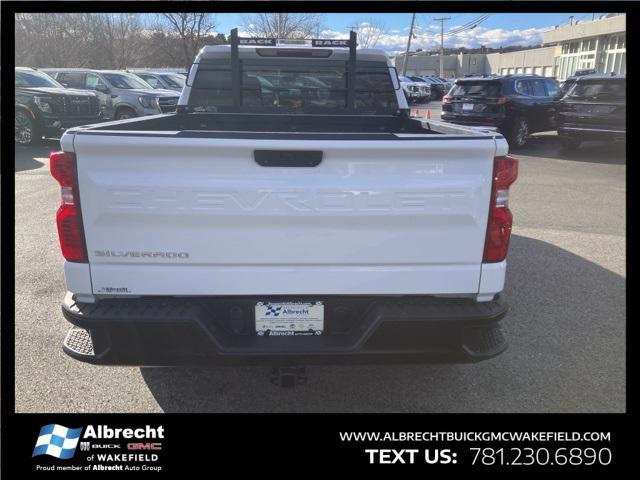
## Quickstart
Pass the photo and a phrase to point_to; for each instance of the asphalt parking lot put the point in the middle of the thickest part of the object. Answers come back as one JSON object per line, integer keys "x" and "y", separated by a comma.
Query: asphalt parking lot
{"x": 566, "y": 325}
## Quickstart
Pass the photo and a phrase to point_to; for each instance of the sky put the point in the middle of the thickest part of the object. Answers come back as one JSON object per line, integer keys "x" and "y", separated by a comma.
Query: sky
{"x": 499, "y": 29}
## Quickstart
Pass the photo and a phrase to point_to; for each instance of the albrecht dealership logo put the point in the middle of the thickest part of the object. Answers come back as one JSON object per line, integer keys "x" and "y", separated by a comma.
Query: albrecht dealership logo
{"x": 57, "y": 441}
{"x": 61, "y": 442}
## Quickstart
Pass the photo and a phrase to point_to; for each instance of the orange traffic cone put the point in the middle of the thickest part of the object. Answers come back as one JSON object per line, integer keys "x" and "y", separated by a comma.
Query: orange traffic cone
{"x": 428, "y": 114}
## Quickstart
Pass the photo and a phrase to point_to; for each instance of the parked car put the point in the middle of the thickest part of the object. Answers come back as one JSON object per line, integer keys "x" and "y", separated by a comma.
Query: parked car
{"x": 161, "y": 80}
{"x": 415, "y": 92}
{"x": 43, "y": 107}
{"x": 593, "y": 109}
{"x": 437, "y": 87}
{"x": 121, "y": 94}
{"x": 516, "y": 105}
{"x": 310, "y": 226}
{"x": 570, "y": 81}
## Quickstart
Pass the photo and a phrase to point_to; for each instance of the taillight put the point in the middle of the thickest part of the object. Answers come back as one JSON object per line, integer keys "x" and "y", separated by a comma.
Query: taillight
{"x": 446, "y": 99}
{"x": 68, "y": 217}
{"x": 505, "y": 172}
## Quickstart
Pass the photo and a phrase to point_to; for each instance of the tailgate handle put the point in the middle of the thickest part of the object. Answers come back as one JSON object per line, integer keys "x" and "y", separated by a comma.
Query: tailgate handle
{"x": 288, "y": 158}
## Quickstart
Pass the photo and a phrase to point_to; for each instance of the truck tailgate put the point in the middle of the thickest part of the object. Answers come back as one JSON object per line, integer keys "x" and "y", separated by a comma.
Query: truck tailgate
{"x": 165, "y": 215}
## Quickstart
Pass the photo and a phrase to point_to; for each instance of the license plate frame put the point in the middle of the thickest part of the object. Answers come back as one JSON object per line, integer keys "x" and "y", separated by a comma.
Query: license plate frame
{"x": 289, "y": 318}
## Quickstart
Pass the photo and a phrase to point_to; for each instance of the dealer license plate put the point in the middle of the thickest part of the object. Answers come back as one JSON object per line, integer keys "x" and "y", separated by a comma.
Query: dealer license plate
{"x": 289, "y": 318}
{"x": 467, "y": 106}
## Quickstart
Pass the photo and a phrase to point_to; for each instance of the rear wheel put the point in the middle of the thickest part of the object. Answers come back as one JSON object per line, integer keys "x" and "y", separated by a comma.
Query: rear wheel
{"x": 517, "y": 138}
{"x": 26, "y": 130}
{"x": 569, "y": 143}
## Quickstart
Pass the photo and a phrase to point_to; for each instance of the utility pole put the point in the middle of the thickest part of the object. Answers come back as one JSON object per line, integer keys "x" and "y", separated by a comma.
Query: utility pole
{"x": 406, "y": 54}
{"x": 441, "y": 20}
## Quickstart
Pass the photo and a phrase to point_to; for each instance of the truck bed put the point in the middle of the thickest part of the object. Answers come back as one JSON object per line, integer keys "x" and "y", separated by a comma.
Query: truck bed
{"x": 197, "y": 124}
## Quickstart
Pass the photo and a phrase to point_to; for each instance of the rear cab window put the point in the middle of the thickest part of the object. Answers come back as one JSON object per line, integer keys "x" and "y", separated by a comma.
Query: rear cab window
{"x": 294, "y": 86}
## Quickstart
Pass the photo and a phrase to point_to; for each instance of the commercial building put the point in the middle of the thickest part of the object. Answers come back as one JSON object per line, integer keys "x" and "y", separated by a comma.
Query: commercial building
{"x": 538, "y": 61}
{"x": 598, "y": 44}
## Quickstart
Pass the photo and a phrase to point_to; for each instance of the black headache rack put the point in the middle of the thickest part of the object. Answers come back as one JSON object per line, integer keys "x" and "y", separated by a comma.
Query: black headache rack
{"x": 320, "y": 48}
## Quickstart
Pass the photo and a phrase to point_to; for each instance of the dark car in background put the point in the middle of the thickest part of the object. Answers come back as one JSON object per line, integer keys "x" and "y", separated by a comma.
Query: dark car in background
{"x": 593, "y": 109}
{"x": 43, "y": 107}
{"x": 516, "y": 105}
{"x": 438, "y": 87}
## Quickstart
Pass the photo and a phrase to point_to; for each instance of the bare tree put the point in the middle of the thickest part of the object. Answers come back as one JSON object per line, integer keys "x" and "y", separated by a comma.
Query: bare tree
{"x": 114, "y": 40}
{"x": 192, "y": 30}
{"x": 283, "y": 25}
{"x": 48, "y": 40}
{"x": 369, "y": 32}
{"x": 111, "y": 40}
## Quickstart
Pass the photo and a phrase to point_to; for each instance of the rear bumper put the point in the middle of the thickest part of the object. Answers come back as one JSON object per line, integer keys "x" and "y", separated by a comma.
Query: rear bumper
{"x": 220, "y": 330}
{"x": 496, "y": 121}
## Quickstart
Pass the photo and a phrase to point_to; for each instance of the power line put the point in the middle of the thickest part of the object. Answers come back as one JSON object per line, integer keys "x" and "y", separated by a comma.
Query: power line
{"x": 467, "y": 25}
{"x": 463, "y": 28}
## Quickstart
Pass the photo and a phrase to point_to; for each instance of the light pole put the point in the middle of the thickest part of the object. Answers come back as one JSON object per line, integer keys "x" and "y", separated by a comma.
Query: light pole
{"x": 441, "y": 20}
{"x": 406, "y": 54}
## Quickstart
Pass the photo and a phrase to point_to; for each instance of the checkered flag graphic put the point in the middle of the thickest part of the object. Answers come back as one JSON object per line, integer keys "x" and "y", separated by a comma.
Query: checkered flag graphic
{"x": 57, "y": 441}
{"x": 271, "y": 310}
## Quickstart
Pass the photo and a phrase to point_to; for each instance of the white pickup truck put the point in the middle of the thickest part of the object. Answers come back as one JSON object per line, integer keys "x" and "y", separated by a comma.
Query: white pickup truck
{"x": 290, "y": 212}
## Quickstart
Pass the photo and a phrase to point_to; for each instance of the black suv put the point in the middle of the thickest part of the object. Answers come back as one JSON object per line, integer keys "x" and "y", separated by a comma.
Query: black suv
{"x": 516, "y": 105}
{"x": 44, "y": 107}
{"x": 594, "y": 108}
{"x": 569, "y": 82}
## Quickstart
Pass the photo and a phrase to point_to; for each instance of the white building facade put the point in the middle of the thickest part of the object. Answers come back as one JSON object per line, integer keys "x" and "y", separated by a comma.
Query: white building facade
{"x": 599, "y": 44}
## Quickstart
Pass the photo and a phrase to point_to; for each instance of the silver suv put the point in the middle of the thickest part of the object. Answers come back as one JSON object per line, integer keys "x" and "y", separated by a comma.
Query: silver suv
{"x": 121, "y": 94}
